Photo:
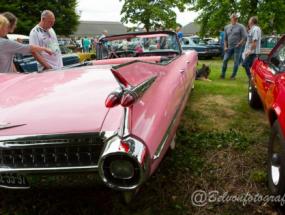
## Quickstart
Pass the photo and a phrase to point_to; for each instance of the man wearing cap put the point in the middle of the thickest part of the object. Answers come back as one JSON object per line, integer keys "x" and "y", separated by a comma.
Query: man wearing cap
{"x": 234, "y": 39}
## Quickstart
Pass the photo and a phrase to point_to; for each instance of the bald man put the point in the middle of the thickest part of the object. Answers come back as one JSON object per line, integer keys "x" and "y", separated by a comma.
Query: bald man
{"x": 43, "y": 35}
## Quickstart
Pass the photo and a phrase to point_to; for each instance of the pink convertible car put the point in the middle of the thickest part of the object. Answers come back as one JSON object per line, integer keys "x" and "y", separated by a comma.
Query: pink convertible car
{"x": 117, "y": 117}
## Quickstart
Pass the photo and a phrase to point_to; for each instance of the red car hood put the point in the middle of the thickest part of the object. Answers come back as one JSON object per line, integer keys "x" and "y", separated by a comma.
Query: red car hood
{"x": 55, "y": 102}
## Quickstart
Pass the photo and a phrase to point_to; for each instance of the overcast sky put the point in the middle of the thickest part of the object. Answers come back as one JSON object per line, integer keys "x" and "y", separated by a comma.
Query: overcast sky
{"x": 109, "y": 10}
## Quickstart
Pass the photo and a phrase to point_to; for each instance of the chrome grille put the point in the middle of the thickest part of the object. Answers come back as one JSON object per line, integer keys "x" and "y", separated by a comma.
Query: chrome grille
{"x": 52, "y": 151}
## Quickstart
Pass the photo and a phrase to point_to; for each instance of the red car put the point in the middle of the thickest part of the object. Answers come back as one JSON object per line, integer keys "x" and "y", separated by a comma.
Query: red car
{"x": 117, "y": 116}
{"x": 267, "y": 88}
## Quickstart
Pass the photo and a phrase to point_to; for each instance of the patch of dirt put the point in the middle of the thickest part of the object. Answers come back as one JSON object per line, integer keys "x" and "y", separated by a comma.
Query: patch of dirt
{"x": 215, "y": 109}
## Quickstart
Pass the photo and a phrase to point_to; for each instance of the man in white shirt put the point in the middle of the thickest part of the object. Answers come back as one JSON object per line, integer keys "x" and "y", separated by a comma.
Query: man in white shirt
{"x": 104, "y": 34}
{"x": 252, "y": 46}
{"x": 43, "y": 35}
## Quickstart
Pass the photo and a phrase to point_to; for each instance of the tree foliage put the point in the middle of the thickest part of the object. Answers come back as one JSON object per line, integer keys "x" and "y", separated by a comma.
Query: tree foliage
{"x": 214, "y": 14}
{"x": 151, "y": 13}
{"x": 29, "y": 12}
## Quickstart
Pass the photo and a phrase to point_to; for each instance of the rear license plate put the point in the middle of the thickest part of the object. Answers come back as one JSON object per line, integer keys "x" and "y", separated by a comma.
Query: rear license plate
{"x": 13, "y": 180}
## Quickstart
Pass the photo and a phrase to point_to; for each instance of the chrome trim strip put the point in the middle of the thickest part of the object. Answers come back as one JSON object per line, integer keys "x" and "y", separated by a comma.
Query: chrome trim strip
{"x": 166, "y": 135}
{"x": 124, "y": 129}
{"x": 3, "y": 145}
{"x": 142, "y": 87}
{"x": 104, "y": 135}
{"x": 38, "y": 136}
{"x": 3, "y": 127}
{"x": 50, "y": 169}
{"x": 15, "y": 188}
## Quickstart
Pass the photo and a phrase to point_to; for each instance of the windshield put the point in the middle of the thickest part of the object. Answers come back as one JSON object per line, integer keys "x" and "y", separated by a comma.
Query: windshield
{"x": 278, "y": 58}
{"x": 199, "y": 41}
{"x": 140, "y": 45}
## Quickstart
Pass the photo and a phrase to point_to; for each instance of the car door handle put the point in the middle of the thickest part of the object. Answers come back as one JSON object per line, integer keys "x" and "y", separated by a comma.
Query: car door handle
{"x": 182, "y": 70}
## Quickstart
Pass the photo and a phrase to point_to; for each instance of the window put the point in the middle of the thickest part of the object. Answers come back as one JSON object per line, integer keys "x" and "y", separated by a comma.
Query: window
{"x": 278, "y": 58}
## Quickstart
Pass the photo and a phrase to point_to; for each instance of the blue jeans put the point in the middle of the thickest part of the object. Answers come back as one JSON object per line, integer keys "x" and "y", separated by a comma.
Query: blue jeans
{"x": 247, "y": 63}
{"x": 228, "y": 54}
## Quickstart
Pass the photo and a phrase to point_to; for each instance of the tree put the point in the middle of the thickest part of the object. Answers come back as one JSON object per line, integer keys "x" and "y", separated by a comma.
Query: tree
{"x": 29, "y": 12}
{"x": 151, "y": 13}
{"x": 271, "y": 15}
{"x": 214, "y": 14}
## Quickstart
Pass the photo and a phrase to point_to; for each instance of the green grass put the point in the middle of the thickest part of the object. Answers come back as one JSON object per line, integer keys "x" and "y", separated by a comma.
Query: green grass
{"x": 221, "y": 145}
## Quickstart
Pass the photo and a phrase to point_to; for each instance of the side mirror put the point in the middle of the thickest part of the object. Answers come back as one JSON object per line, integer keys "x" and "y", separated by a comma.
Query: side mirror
{"x": 275, "y": 61}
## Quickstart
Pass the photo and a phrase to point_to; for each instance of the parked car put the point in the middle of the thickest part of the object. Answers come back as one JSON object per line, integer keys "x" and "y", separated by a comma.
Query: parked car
{"x": 200, "y": 46}
{"x": 27, "y": 63}
{"x": 19, "y": 37}
{"x": 117, "y": 116}
{"x": 83, "y": 56}
{"x": 267, "y": 89}
{"x": 268, "y": 43}
{"x": 212, "y": 41}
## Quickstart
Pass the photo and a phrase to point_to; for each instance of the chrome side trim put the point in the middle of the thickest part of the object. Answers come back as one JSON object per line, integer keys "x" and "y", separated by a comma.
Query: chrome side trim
{"x": 165, "y": 137}
{"x": 50, "y": 169}
{"x": 167, "y": 133}
{"x": 124, "y": 129}
{"x": 137, "y": 151}
{"x": 142, "y": 87}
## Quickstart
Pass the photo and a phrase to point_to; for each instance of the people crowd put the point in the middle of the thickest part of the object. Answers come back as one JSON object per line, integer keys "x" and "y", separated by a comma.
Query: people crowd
{"x": 10, "y": 48}
{"x": 241, "y": 44}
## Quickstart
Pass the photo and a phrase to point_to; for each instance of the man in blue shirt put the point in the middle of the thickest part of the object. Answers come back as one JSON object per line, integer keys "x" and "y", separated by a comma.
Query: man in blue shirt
{"x": 179, "y": 33}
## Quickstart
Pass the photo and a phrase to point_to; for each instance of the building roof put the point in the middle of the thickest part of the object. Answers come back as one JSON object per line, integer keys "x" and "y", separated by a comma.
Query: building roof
{"x": 92, "y": 28}
{"x": 191, "y": 28}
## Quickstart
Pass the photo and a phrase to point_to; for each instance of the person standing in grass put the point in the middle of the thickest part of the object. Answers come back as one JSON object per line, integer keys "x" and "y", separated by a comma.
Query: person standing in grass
{"x": 234, "y": 38}
{"x": 86, "y": 44}
{"x": 179, "y": 33}
{"x": 252, "y": 46}
{"x": 9, "y": 48}
{"x": 43, "y": 35}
